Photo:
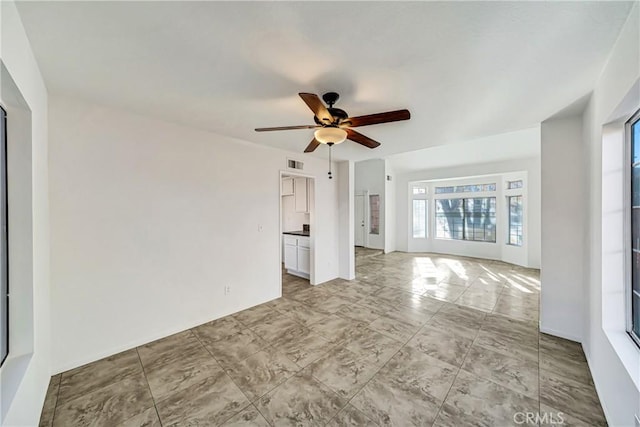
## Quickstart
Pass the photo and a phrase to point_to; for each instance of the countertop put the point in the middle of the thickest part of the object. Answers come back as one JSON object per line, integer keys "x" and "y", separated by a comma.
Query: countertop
{"x": 297, "y": 233}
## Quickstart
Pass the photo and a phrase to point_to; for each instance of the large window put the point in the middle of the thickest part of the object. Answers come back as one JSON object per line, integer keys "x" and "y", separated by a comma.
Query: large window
{"x": 419, "y": 211}
{"x": 515, "y": 220}
{"x": 633, "y": 134}
{"x": 419, "y": 219}
{"x": 471, "y": 219}
{"x": 4, "y": 257}
{"x": 474, "y": 188}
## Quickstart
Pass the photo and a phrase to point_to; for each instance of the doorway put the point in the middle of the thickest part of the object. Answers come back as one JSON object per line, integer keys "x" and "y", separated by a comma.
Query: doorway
{"x": 359, "y": 220}
{"x": 297, "y": 206}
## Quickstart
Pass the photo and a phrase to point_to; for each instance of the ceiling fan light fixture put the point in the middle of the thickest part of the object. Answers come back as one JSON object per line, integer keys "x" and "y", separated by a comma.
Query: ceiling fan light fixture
{"x": 330, "y": 135}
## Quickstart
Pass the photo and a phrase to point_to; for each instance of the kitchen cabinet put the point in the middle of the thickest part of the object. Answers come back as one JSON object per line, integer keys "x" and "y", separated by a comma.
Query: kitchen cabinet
{"x": 304, "y": 261}
{"x": 290, "y": 257}
{"x": 287, "y": 186}
{"x": 297, "y": 255}
{"x": 301, "y": 195}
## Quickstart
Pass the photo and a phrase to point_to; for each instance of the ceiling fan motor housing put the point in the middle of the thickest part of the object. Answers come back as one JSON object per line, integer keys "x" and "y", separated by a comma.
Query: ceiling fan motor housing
{"x": 337, "y": 114}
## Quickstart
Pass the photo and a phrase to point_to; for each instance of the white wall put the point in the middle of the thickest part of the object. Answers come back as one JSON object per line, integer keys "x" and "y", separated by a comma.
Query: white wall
{"x": 370, "y": 180}
{"x": 528, "y": 169}
{"x": 563, "y": 219}
{"x": 25, "y": 375}
{"x": 346, "y": 210}
{"x": 150, "y": 221}
{"x": 613, "y": 358}
{"x": 390, "y": 209}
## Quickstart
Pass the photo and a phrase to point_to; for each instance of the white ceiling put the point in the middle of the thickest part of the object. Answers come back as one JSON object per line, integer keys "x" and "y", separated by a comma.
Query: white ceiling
{"x": 463, "y": 69}
{"x": 495, "y": 148}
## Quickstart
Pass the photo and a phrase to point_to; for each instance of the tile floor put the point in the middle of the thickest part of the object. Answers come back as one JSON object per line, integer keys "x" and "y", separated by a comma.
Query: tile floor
{"x": 418, "y": 339}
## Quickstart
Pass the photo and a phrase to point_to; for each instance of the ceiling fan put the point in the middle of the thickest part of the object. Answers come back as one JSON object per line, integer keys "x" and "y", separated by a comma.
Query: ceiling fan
{"x": 334, "y": 125}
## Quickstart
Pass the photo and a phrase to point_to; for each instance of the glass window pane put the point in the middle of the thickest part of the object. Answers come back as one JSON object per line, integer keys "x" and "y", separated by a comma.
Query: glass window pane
{"x": 635, "y": 185}
{"x": 474, "y": 188}
{"x": 419, "y": 219}
{"x": 635, "y": 312}
{"x": 449, "y": 217}
{"x": 635, "y": 142}
{"x": 515, "y": 220}
{"x": 480, "y": 219}
{"x": 419, "y": 190}
{"x": 514, "y": 184}
{"x": 635, "y": 227}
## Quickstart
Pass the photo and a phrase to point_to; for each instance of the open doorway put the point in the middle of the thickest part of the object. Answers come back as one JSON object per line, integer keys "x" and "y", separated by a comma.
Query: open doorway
{"x": 297, "y": 204}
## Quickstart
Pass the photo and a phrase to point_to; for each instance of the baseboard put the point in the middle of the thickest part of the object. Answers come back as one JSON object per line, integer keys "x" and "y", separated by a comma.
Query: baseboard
{"x": 560, "y": 334}
{"x": 145, "y": 340}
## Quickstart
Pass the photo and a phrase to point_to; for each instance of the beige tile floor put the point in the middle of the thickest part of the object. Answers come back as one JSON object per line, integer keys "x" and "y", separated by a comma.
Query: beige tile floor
{"x": 417, "y": 339}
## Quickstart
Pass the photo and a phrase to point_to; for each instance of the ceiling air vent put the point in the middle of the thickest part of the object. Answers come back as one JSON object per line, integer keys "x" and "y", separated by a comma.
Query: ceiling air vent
{"x": 294, "y": 164}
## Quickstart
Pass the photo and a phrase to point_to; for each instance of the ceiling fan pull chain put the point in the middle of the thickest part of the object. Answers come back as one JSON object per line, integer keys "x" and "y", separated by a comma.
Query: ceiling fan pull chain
{"x": 330, "y": 145}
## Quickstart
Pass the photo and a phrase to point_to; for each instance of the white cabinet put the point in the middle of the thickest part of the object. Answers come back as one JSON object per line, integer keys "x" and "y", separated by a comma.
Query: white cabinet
{"x": 301, "y": 195}
{"x": 297, "y": 259}
{"x": 287, "y": 186}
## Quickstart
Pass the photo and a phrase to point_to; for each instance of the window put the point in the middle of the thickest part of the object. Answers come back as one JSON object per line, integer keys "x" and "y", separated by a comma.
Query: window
{"x": 419, "y": 219}
{"x": 475, "y": 188}
{"x": 449, "y": 219}
{"x": 419, "y": 211}
{"x": 512, "y": 185}
{"x": 374, "y": 214}
{"x": 4, "y": 246}
{"x": 633, "y": 136}
{"x": 419, "y": 190}
{"x": 515, "y": 220}
{"x": 472, "y": 219}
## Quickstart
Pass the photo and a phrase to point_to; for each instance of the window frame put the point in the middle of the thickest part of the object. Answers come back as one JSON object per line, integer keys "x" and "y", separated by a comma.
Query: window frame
{"x": 628, "y": 231}
{"x": 4, "y": 217}
{"x": 420, "y": 196}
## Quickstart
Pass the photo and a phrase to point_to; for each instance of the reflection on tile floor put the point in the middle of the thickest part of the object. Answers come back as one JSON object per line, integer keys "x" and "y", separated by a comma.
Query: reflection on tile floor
{"x": 417, "y": 339}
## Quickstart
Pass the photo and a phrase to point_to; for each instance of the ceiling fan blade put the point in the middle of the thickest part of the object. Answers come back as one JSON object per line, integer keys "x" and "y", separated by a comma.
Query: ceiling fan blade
{"x": 288, "y": 128}
{"x": 361, "y": 139}
{"x": 318, "y": 108}
{"x": 312, "y": 146}
{"x": 374, "y": 119}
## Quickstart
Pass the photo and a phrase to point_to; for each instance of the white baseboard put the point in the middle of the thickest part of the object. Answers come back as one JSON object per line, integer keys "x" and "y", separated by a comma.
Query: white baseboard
{"x": 559, "y": 333}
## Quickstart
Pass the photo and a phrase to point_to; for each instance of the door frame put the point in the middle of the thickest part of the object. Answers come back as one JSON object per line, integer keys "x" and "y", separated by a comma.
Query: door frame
{"x": 312, "y": 223}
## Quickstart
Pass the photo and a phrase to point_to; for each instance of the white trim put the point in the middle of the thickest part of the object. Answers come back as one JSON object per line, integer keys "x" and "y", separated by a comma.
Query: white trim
{"x": 559, "y": 334}
{"x": 628, "y": 247}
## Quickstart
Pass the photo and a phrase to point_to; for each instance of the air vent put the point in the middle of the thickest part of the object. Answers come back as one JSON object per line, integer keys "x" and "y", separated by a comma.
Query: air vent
{"x": 294, "y": 164}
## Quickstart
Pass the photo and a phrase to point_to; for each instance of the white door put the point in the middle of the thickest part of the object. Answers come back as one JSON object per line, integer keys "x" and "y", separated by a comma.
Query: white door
{"x": 304, "y": 262}
{"x": 358, "y": 224}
